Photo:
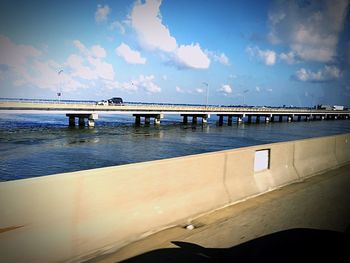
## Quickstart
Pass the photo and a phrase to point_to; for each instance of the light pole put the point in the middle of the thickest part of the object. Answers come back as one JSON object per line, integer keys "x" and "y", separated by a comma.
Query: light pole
{"x": 205, "y": 83}
{"x": 59, "y": 93}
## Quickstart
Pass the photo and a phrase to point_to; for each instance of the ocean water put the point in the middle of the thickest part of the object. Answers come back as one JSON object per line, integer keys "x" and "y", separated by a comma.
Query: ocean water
{"x": 34, "y": 145}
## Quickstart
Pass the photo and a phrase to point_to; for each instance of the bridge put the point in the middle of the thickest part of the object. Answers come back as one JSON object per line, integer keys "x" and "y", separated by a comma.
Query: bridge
{"x": 87, "y": 112}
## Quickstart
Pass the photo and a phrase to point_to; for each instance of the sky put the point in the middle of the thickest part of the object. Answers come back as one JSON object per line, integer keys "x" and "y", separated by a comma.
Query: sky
{"x": 270, "y": 53}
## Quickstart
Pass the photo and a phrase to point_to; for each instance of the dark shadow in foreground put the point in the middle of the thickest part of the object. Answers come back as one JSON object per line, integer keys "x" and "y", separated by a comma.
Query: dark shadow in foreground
{"x": 294, "y": 245}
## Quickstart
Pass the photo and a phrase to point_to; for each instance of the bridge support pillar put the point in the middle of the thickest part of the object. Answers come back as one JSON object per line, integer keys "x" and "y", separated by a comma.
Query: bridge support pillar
{"x": 299, "y": 118}
{"x": 185, "y": 119}
{"x": 147, "y": 117}
{"x": 194, "y": 119}
{"x": 138, "y": 120}
{"x": 249, "y": 118}
{"x": 71, "y": 121}
{"x": 280, "y": 119}
{"x": 221, "y": 120}
{"x": 229, "y": 120}
{"x": 81, "y": 121}
{"x": 257, "y": 119}
{"x": 91, "y": 117}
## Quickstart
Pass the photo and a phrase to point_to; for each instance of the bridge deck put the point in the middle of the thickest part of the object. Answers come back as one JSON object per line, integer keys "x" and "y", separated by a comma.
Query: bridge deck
{"x": 169, "y": 109}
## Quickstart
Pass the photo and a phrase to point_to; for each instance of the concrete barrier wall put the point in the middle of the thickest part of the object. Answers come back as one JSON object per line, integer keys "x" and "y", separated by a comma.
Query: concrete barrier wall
{"x": 313, "y": 156}
{"x": 342, "y": 150}
{"x": 76, "y": 215}
{"x": 243, "y": 182}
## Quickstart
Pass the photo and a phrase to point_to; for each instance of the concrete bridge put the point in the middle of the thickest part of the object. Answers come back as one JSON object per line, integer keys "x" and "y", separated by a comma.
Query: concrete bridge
{"x": 88, "y": 113}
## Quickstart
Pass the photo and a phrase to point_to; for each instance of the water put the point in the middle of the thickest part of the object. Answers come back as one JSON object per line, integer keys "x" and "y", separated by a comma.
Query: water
{"x": 35, "y": 145}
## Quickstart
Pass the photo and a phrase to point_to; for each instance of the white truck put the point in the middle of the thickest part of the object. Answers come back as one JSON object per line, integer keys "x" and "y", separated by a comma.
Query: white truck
{"x": 337, "y": 107}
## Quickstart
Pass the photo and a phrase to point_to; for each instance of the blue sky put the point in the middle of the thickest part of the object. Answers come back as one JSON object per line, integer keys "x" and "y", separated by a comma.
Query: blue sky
{"x": 254, "y": 52}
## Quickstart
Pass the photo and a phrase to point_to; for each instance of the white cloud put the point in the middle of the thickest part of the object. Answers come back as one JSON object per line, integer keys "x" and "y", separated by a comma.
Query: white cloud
{"x": 28, "y": 67}
{"x": 288, "y": 58}
{"x": 90, "y": 66}
{"x": 269, "y": 90}
{"x": 147, "y": 21}
{"x": 199, "y": 90}
{"x": 47, "y": 77}
{"x": 268, "y": 57}
{"x": 143, "y": 82}
{"x": 257, "y": 88}
{"x": 98, "y": 51}
{"x": 274, "y": 20}
{"x": 37, "y": 72}
{"x": 179, "y": 90}
{"x": 192, "y": 56}
{"x": 126, "y": 86}
{"x": 81, "y": 47}
{"x": 129, "y": 55}
{"x": 311, "y": 29}
{"x": 154, "y": 35}
{"x": 328, "y": 73}
{"x": 117, "y": 25}
{"x": 225, "y": 89}
{"x": 17, "y": 57}
{"x": 221, "y": 58}
{"x": 187, "y": 91}
{"x": 76, "y": 64}
{"x": 101, "y": 13}
{"x": 164, "y": 77}
{"x": 147, "y": 84}
{"x": 103, "y": 69}
{"x": 95, "y": 51}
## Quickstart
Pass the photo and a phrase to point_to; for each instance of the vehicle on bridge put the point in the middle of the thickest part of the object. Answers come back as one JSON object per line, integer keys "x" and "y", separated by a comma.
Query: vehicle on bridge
{"x": 102, "y": 102}
{"x": 115, "y": 101}
{"x": 338, "y": 107}
{"x": 111, "y": 102}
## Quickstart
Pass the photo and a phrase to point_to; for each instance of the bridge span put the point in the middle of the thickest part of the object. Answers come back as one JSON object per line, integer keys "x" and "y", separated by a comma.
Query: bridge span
{"x": 88, "y": 113}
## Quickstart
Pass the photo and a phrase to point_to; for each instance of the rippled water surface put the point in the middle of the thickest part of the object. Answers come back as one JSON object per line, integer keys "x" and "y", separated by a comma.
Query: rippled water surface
{"x": 35, "y": 145}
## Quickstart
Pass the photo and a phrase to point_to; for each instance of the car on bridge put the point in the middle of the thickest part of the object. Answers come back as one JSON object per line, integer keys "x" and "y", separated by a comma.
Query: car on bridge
{"x": 102, "y": 102}
{"x": 115, "y": 101}
{"x": 110, "y": 102}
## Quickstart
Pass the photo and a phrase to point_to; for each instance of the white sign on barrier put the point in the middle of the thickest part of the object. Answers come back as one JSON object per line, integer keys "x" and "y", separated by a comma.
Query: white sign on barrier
{"x": 262, "y": 160}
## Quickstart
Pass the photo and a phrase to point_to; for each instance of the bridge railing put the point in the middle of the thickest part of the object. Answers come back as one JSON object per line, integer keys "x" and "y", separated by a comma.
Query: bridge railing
{"x": 51, "y": 101}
